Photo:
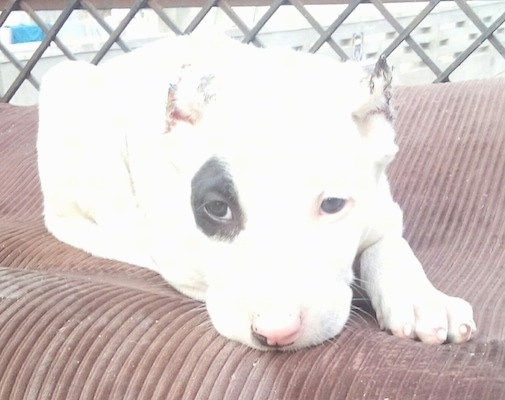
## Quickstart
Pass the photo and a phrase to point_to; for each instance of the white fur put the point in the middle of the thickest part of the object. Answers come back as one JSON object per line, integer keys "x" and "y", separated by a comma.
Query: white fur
{"x": 294, "y": 129}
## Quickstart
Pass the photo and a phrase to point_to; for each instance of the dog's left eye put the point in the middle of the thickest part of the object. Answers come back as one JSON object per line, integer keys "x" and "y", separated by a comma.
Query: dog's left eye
{"x": 218, "y": 210}
{"x": 332, "y": 205}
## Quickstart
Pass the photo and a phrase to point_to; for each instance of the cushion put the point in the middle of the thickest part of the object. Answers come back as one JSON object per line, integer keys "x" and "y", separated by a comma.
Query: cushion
{"x": 76, "y": 326}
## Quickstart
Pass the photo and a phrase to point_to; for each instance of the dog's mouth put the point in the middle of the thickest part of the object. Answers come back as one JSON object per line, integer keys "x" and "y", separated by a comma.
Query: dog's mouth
{"x": 280, "y": 344}
{"x": 283, "y": 324}
{"x": 295, "y": 331}
{"x": 264, "y": 342}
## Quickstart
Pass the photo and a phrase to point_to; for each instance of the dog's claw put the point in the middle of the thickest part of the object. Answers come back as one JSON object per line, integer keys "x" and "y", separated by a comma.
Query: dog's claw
{"x": 442, "y": 335}
{"x": 465, "y": 333}
{"x": 408, "y": 330}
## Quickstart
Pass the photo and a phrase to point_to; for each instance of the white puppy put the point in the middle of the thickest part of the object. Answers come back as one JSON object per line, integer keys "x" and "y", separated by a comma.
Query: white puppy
{"x": 248, "y": 178}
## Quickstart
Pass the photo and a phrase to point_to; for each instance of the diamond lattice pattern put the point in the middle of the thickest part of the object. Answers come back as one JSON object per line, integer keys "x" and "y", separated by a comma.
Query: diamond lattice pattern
{"x": 433, "y": 41}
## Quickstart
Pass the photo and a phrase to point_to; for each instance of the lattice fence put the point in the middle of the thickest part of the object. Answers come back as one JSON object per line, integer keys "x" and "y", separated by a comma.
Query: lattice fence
{"x": 440, "y": 45}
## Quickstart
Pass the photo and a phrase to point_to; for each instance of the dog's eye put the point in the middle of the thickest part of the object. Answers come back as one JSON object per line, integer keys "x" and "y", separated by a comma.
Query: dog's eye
{"x": 218, "y": 210}
{"x": 332, "y": 205}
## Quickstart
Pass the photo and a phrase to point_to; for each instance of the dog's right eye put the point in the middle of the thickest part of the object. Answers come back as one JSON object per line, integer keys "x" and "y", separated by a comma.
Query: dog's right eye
{"x": 332, "y": 205}
{"x": 218, "y": 210}
{"x": 215, "y": 203}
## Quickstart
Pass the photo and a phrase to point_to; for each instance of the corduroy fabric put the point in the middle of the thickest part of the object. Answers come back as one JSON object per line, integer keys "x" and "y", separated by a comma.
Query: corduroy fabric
{"x": 74, "y": 326}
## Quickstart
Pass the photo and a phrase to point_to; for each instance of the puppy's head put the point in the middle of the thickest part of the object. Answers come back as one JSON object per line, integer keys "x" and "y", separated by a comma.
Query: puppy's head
{"x": 273, "y": 163}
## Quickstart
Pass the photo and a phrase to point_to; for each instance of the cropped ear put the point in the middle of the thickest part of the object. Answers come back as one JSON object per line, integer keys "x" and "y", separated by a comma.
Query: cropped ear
{"x": 374, "y": 116}
{"x": 187, "y": 98}
{"x": 380, "y": 89}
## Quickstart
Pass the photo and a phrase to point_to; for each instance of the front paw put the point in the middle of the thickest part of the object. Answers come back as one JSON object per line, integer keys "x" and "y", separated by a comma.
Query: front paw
{"x": 432, "y": 317}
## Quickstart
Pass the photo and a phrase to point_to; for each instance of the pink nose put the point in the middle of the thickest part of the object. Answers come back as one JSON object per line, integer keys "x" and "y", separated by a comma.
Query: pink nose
{"x": 276, "y": 329}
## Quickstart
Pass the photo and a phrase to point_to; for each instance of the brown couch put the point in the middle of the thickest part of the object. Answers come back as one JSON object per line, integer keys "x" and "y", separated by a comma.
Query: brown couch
{"x": 74, "y": 326}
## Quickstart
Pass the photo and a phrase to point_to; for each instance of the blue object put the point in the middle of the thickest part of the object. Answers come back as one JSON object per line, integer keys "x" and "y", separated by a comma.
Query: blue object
{"x": 26, "y": 33}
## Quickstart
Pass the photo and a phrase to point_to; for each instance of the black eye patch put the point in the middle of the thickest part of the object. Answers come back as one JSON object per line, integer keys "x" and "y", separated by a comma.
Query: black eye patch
{"x": 214, "y": 201}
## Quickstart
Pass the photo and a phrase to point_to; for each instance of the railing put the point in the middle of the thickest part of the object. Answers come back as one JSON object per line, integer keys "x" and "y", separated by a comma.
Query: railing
{"x": 322, "y": 34}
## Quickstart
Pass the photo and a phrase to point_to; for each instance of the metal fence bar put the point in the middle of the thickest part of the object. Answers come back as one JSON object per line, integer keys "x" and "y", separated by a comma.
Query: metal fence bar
{"x": 227, "y": 9}
{"x": 209, "y": 5}
{"x": 410, "y": 27}
{"x": 33, "y": 15}
{"x": 11, "y": 6}
{"x": 19, "y": 66}
{"x": 57, "y": 5}
{"x": 40, "y": 50}
{"x": 114, "y": 36}
{"x": 251, "y": 34}
{"x": 444, "y": 76}
{"x": 7, "y": 9}
{"x": 334, "y": 26}
{"x": 89, "y": 7}
{"x": 158, "y": 9}
{"x": 318, "y": 28}
{"x": 263, "y": 20}
{"x": 479, "y": 24}
{"x": 411, "y": 42}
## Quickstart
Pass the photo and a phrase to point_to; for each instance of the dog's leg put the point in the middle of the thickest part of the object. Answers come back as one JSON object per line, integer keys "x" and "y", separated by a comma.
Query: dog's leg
{"x": 404, "y": 299}
{"x": 119, "y": 242}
